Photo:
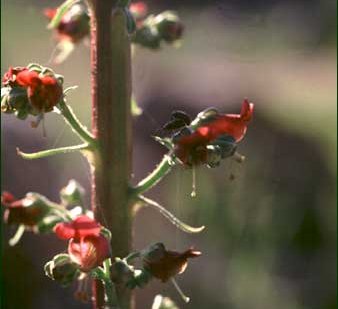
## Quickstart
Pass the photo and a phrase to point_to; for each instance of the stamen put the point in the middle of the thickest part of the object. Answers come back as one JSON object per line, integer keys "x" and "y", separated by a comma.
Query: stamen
{"x": 185, "y": 298}
{"x": 193, "y": 192}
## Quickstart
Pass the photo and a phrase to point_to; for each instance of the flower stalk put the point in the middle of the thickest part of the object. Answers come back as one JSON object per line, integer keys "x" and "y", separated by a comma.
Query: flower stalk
{"x": 161, "y": 170}
{"x": 111, "y": 124}
{"x": 69, "y": 116}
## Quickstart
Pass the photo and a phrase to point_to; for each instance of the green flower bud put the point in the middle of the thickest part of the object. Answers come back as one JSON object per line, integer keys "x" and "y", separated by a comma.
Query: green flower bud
{"x": 72, "y": 194}
{"x": 62, "y": 269}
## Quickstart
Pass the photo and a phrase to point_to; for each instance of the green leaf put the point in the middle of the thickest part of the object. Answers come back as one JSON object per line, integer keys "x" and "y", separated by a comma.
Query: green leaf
{"x": 61, "y": 11}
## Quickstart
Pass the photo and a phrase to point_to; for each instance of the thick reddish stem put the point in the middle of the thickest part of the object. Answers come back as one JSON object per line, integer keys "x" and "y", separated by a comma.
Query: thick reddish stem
{"x": 111, "y": 122}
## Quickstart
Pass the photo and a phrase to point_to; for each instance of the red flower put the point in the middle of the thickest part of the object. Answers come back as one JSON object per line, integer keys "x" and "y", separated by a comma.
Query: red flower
{"x": 28, "y": 211}
{"x": 139, "y": 10}
{"x": 74, "y": 25}
{"x": 164, "y": 264}
{"x": 89, "y": 252}
{"x": 9, "y": 78}
{"x": 81, "y": 227}
{"x": 87, "y": 247}
{"x": 192, "y": 148}
{"x": 44, "y": 92}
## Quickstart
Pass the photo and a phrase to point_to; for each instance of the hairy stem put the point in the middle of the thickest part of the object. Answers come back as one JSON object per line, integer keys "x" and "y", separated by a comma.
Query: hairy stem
{"x": 111, "y": 122}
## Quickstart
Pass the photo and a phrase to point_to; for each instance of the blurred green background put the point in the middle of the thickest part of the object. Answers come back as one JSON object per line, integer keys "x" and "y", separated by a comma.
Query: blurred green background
{"x": 270, "y": 241}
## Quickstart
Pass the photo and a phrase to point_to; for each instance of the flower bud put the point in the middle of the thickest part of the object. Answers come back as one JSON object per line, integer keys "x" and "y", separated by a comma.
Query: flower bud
{"x": 30, "y": 90}
{"x": 169, "y": 26}
{"x": 72, "y": 194}
{"x": 74, "y": 25}
{"x": 62, "y": 269}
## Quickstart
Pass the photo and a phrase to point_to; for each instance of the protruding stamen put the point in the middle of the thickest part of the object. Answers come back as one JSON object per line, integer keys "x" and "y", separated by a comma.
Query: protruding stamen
{"x": 178, "y": 223}
{"x": 185, "y": 298}
{"x": 238, "y": 157}
{"x": 193, "y": 191}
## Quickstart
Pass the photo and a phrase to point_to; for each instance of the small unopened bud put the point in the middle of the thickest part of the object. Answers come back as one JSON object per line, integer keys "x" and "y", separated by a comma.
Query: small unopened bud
{"x": 62, "y": 269}
{"x": 72, "y": 194}
{"x": 169, "y": 26}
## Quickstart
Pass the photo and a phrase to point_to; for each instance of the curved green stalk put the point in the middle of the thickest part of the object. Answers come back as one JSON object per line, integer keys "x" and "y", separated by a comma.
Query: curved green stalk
{"x": 17, "y": 236}
{"x": 51, "y": 152}
{"x": 75, "y": 123}
{"x": 166, "y": 213}
{"x": 155, "y": 176}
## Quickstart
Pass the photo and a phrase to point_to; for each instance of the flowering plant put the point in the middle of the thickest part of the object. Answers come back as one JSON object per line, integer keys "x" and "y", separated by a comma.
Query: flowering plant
{"x": 99, "y": 242}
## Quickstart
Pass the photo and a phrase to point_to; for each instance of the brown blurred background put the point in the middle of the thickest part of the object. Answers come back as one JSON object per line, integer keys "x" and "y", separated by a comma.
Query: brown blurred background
{"x": 270, "y": 241}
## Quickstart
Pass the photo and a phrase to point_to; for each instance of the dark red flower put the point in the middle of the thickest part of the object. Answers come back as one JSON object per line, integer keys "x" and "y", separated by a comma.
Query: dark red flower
{"x": 28, "y": 211}
{"x": 87, "y": 247}
{"x": 74, "y": 25}
{"x": 9, "y": 78}
{"x": 44, "y": 92}
{"x": 191, "y": 147}
{"x": 164, "y": 264}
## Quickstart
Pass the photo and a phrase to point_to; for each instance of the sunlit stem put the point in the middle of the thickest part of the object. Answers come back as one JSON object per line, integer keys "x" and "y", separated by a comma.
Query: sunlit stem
{"x": 75, "y": 123}
{"x": 17, "y": 236}
{"x": 155, "y": 176}
{"x": 185, "y": 298}
{"x": 193, "y": 191}
{"x": 167, "y": 214}
{"x": 52, "y": 152}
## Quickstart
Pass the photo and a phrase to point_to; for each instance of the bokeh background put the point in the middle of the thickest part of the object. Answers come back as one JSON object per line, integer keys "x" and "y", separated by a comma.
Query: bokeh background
{"x": 270, "y": 241}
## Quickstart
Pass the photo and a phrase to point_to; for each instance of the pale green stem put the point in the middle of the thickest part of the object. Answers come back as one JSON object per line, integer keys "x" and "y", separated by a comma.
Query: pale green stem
{"x": 17, "y": 236}
{"x": 154, "y": 177}
{"x": 75, "y": 124}
{"x": 52, "y": 152}
{"x": 132, "y": 256}
{"x": 167, "y": 214}
{"x": 111, "y": 296}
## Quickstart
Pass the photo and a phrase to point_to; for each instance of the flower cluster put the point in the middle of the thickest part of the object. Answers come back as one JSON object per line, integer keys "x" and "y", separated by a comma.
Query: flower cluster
{"x": 74, "y": 25}
{"x": 210, "y": 138}
{"x": 149, "y": 32}
{"x": 31, "y": 90}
